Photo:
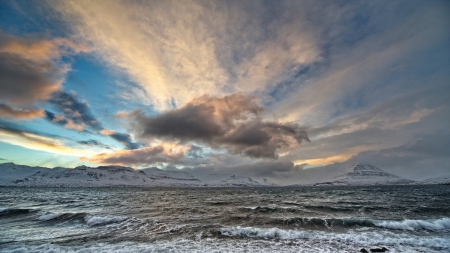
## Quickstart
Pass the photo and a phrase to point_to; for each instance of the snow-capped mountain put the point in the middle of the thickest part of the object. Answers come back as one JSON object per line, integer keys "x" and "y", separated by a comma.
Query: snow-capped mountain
{"x": 436, "y": 180}
{"x": 20, "y": 175}
{"x": 366, "y": 174}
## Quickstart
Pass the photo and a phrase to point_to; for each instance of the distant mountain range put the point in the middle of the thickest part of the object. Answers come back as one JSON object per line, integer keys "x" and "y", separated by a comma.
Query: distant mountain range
{"x": 437, "y": 180}
{"x": 118, "y": 176}
{"x": 115, "y": 176}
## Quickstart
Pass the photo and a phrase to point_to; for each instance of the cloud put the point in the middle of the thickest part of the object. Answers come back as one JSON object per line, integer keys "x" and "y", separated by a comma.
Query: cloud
{"x": 428, "y": 155}
{"x": 78, "y": 116}
{"x": 125, "y": 139}
{"x": 195, "y": 152}
{"x": 176, "y": 51}
{"x": 142, "y": 156}
{"x": 232, "y": 122}
{"x": 61, "y": 120}
{"x": 75, "y": 112}
{"x": 94, "y": 143}
{"x": 376, "y": 67}
{"x": 31, "y": 69}
{"x": 35, "y": 141}
{"x": 7, "y": 111}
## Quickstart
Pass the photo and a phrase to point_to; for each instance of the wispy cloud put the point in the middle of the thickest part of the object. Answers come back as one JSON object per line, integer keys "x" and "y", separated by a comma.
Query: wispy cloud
{"x": 94, "y": 143}
{"x": 35, "y": 141}
{"x": 178, "y": 50}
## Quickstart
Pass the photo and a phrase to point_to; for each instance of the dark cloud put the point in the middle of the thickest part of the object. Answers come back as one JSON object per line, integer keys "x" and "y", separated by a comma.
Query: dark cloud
{"x": 94, "y": 143}
{"x": 7, "y": 111}
{"x": 22, "y": 82}
{"x": 232, "y": 122}
{"x": 77, "y": 116}
{"x": 62, "y": 121}
{"x": 30, "y": 69}
{"x": 75, "y": 110}
{"x": 125, "y": 139}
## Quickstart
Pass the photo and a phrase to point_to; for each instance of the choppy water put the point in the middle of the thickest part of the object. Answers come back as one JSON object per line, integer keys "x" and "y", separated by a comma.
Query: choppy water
{"x": 338, "y": 219}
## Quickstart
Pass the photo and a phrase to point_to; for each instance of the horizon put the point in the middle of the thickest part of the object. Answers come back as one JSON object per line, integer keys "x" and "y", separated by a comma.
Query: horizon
{"x": 290, "y": 91}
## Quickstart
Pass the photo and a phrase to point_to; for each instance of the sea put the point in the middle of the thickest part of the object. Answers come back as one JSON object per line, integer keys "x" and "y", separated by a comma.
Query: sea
{"x": 279, "y": 219}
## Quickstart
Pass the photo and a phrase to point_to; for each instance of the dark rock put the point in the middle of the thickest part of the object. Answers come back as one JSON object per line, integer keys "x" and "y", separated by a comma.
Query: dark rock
{"x": 364, "y": 250}
{"x": 379, "y": 250}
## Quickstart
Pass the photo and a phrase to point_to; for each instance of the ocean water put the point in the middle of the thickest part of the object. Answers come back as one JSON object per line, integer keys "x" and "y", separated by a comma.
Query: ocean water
{"x": 327, "y": 219}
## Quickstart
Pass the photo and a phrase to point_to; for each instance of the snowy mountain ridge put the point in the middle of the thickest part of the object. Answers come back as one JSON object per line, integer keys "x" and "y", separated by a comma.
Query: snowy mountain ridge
{"x": 365, "y": 174}
{"x": 445, "y": 180}
{"x": 113, "y": 176}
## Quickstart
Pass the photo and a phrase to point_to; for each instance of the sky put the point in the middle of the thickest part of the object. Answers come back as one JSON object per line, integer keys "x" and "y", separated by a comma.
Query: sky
{"x": 294, "y": 91}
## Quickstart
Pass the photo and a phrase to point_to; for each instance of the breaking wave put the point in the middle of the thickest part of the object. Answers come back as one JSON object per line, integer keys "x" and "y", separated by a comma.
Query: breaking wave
{"x": 415, "y": 225}
{"x": 350, "y": 237}
{"x": 92, "y": 220}
{"x": 410, "y": 225}
{"x": 50, "y": 216}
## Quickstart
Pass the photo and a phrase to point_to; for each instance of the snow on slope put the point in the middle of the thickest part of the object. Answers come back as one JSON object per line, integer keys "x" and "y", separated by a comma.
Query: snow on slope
{"x": 366, "y": 174}
{"x": 83, "y": 176}
{"x": 436, "y": 180}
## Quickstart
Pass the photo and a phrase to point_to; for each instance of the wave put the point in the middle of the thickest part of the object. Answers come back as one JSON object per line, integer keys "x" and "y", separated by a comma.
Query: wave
{"x": 271, "y": 209}
{"x": 330, "y": 223}
{"x": 217, "y": 245}
{"x": 61, "y": 216}
{"x": 92, "y": 220}
{"x": 8, "y": 212}
{"x": 50, "y": 216}
{"x": 415, "y": 225}
{"x": 296, "y": 208}
{"x": 351, "y": 237}
{"x": 442, "y": 224}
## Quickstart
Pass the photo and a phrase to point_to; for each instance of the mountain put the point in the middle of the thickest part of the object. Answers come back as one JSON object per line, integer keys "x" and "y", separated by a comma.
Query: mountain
{"x": 436, "y": 180}
{"x": 114, "y": 176}
{"x": 365, "y": 174}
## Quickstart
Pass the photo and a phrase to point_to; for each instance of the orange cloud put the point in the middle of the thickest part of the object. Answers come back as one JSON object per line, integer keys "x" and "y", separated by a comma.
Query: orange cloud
{"x": 107, "y": 131}
{"x": 41, "y": 50}
{"x": 164, "y": 153}
{"x": 6, "y": 111}
{"x": 324, "y": 160}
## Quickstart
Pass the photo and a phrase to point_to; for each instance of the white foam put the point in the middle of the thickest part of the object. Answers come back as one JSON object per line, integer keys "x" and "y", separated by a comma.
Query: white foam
{"x": 273, "y": 233}
{"x": 50, "y": 216}
{"x": 219, "y": 245}
{"x": 351, "y": 237}
{"x": 100, "y": 220}
{"x": 414, "y": 225}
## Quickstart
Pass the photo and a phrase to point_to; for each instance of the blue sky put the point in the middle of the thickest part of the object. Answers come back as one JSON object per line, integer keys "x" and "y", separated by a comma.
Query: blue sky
{"x": 289, "y": 90}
